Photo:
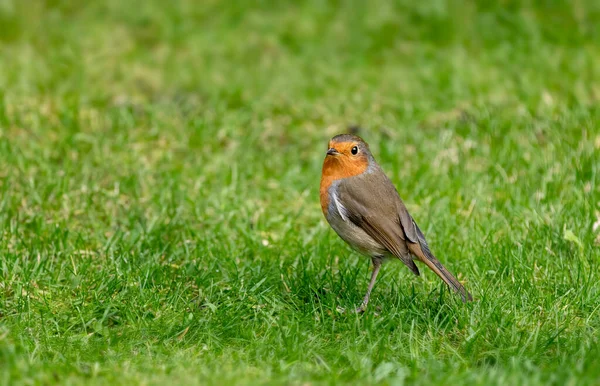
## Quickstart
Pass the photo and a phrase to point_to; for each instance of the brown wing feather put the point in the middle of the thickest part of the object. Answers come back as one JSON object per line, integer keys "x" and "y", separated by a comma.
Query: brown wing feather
{"x": 399, "y": 235}
{"x": 356, "y": 196}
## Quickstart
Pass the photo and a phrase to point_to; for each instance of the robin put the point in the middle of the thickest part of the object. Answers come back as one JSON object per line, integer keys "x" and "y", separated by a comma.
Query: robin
{"x": 364, "y": 208}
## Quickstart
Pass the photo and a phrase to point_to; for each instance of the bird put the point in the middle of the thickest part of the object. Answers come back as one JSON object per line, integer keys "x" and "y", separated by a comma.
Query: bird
{"x": 364, "y": 208}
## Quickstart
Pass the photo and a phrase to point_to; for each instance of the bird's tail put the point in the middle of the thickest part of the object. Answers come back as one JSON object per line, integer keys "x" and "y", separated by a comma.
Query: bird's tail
{"x": 421, "y": 250}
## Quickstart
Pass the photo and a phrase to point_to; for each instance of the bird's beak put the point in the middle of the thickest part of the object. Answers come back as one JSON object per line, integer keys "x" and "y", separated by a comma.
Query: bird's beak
{"x": 332, "y": 151}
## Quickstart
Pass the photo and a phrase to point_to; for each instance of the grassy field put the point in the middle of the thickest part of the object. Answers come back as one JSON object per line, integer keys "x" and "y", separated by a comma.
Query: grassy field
{"x": 159, "y": 172}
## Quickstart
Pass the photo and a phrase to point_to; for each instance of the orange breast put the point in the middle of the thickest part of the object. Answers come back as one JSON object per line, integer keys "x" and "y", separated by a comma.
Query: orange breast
{"x": 336, "y": 168}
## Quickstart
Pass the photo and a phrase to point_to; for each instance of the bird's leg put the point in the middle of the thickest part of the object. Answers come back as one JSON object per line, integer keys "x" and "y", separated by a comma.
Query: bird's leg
{"x": 376, "y": 265}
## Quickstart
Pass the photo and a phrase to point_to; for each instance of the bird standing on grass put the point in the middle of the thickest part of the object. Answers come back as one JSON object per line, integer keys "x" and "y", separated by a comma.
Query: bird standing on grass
{"x": 362, "y": 205}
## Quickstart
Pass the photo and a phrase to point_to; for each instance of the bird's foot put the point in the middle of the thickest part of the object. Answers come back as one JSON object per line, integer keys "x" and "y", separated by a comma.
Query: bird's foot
{"x": 361, "y": 309}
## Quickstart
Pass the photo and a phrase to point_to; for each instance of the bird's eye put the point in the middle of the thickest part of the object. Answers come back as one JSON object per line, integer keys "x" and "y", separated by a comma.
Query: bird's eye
{"x": 354, "y": 150}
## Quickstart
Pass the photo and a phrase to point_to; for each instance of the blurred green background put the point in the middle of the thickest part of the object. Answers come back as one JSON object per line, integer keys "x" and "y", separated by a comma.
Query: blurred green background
{"x": 159, "y": 171}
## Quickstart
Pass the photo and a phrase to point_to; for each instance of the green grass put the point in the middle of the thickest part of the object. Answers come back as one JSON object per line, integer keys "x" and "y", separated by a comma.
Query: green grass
{"x": 159, "y": 171}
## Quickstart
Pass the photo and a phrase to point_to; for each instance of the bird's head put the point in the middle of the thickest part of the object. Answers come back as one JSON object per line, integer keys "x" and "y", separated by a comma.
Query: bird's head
{"x": 347, "y": 155}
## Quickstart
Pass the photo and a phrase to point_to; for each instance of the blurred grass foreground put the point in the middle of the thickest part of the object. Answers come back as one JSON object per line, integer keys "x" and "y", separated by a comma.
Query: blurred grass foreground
{"x": 159, "y": 168}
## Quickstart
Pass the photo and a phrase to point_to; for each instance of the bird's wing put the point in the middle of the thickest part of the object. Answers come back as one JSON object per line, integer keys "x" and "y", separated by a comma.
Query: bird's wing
{"x": 372, "y": 203}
